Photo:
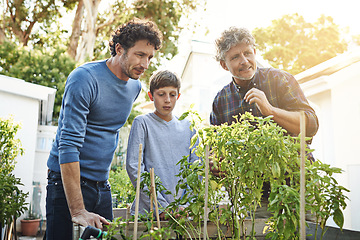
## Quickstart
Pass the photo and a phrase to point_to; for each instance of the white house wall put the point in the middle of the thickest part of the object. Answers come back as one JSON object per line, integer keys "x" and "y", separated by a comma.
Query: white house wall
{"x": 202, "y": 78}
{"x": 25, "y": 102}
{"x": 45, "y": 138}
{"x": 346, "y": 118}
{"x": 337, "y": 141}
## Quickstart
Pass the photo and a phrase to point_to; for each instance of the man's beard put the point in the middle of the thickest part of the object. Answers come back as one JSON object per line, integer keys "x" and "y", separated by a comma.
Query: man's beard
{"x": 245, "y": 78}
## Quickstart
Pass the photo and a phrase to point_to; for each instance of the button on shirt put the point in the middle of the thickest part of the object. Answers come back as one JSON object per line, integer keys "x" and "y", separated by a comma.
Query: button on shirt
{"x": 281, "y": 90}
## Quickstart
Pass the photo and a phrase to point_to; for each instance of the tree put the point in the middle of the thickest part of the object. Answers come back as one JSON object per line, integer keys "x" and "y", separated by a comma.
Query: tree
{"x": 40, "y": 66}
{"x": 20, "y": 18}
{"x": 294, "y": 45}
{"x": 25, "y": 21}
{"x": 88, "y": 39}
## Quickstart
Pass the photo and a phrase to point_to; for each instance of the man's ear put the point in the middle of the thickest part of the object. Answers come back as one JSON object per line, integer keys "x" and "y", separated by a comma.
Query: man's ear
{"x": 119, "y": 49}
{"x": 150, "y": 96}
{"x": 178, "y": 96}
{"x": 223, "y": 65}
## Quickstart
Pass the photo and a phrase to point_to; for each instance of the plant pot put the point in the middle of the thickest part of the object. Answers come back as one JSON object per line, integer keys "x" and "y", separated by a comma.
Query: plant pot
{"x": 29, "y": 227}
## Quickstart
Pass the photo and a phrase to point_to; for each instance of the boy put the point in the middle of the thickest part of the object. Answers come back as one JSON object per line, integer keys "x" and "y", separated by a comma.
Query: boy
{"x": 164, "y": 138}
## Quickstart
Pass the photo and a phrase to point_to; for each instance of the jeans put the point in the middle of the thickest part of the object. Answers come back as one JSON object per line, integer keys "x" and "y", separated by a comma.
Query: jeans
{"x": 97, "y": 199}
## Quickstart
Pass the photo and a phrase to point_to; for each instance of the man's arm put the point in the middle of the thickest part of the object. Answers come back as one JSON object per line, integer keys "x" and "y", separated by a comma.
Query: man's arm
{"x": 70, "y": 174}
{"x": 286, "y": 119}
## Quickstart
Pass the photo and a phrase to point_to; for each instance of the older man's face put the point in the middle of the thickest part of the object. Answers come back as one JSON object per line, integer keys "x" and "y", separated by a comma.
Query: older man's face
{"x": 240, "y": 61}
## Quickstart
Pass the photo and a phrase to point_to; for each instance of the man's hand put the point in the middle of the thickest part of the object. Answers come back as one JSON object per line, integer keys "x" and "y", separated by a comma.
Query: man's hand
{"x": 162, "y": 216}
{"x": 290, "y": 120}
{"x": 176, "y": 214}
{"x": 213, "y": 169}
{"x": 85, "y": 218}
{"x": 216, "y": 170}
{"x": 70, "y": 173}
{"x": 258, "y": 97}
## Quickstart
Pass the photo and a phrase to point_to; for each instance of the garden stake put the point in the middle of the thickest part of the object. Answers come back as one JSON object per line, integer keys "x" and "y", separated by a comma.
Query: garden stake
{"x": 206, "y": 189}
{"x": 151, "y": 206}
{"x": 152, "y": 176}
{"x": 137, "y": 193}
{"x": 302, "y": 176}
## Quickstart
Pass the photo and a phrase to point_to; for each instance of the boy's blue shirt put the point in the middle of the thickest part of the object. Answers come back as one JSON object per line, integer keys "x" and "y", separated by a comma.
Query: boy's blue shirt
{"x": 164, "y": 145}
{"x": 96, "y": 104}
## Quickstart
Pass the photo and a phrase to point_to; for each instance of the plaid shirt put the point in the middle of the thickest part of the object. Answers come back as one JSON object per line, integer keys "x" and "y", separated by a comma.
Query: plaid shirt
{"x": 281, "y": 90}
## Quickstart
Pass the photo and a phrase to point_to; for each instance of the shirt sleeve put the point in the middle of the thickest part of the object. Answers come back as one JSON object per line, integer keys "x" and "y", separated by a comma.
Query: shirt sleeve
{"x": 78, "y": 94}
{"x": 214, "y": 115}
{"x": 293, "y": 99}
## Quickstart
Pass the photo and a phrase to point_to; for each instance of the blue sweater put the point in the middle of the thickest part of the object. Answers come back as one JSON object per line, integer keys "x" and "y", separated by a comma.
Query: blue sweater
{"x": 164, "y": 145}
{"x": 96, "y": 104}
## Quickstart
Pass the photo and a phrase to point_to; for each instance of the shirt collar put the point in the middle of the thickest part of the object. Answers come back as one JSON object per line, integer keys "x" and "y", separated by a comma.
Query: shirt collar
{"x": 250, "y": 85}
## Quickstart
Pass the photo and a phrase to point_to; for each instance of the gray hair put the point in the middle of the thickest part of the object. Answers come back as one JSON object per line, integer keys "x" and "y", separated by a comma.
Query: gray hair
{"x": 230, "y": 38}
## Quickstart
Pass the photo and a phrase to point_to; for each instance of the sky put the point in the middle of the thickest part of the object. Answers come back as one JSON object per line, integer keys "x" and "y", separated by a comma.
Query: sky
{"x": 221, "y": 14}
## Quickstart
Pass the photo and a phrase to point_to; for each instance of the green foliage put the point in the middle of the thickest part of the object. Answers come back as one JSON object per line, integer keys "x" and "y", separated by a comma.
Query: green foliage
{"x": 250, "y": 152}
{"x": 121, "y": 186}
{"x": 146, "y": 183}
{"x": 12, "y": 199}
{"x": 38, "y": 66}
{"x": 166, "y": 14}
{"x": 21, "y": 16}
{"x": 31, "y": 215}
{"x": 117, "y": 226}
{"x": 49, "y": 65}
{"x": 294, "y": 45}
{"x": 325, "y": 196}
{"x": 133, "y": 114}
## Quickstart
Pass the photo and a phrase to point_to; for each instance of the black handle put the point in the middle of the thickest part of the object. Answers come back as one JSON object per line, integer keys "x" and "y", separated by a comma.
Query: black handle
{"x": 92, "y": 232}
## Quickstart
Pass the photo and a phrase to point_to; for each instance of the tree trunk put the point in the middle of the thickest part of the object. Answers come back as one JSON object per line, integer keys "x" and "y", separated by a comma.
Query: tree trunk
{"x": 87, "y": 41}
{"x": 76, "y": 30}
{"x": 2, "y": 38}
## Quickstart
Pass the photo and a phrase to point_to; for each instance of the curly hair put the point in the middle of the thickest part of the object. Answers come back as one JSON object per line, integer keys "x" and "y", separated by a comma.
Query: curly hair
{"x": 164, "y": 78}
{"x": 230, "y": 38}
{"x": 137, "y": 29}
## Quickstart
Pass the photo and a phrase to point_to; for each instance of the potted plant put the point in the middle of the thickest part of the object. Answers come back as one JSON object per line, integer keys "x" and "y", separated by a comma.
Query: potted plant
{"x": 30, "y": 224}
{"x": 12, "y": 203}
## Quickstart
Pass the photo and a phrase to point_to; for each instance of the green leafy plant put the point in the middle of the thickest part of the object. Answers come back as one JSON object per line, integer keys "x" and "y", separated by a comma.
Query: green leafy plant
{"x": 121, "y": 186}
{"x": 116, "y": 227}
{"x": 12, "y": 199}
{"x": 31, "y": 215}
{"x": 326, "y": 198}
{"x": 249, "y": 153}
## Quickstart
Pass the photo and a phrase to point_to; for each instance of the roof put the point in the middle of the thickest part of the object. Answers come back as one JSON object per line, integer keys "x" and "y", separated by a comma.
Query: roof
{"x": 45, "y": 95}
{"x": 330, "y": 66}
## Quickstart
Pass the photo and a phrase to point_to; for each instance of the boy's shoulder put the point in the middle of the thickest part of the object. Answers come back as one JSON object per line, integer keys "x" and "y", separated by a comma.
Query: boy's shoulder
{"x": 147, "y": 117}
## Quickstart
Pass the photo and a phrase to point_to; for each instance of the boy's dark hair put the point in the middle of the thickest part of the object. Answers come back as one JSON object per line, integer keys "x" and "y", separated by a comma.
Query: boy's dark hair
{"x": 164, "y": 78}
{"x": 131, "y": 32}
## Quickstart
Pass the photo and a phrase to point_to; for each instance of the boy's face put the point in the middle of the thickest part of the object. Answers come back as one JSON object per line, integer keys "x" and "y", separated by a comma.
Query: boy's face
{"x": 164, "y": 100}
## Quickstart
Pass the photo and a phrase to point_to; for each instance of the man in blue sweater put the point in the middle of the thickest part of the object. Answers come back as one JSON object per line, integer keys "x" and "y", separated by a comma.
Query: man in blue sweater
{"x": 97, "y": 101}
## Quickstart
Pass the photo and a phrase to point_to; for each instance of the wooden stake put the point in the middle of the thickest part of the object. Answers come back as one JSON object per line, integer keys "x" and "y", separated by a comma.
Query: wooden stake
{"x": 206, "y": 189}
{"x": 151, "y": 205}
{"x": 137, "y": 196}
{"x": 153, "y": 189}
{"x": 302, "y": 176}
